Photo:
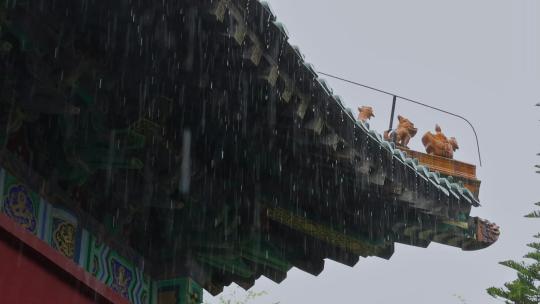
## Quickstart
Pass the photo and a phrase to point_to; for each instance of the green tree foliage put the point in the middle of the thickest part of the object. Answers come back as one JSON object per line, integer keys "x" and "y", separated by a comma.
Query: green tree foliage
{"x": 526, "y": 288}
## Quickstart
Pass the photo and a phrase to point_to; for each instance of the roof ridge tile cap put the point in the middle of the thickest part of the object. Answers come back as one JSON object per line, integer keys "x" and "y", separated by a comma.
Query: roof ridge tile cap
{"x": 445, "y": 182}
{"x": 399, "y": 154}
{"x": 339, "y": 99}
{"x": 350, "y": 112}
{"x": 448, "y": 186}
{"x": 269, "y": 9}
{"x": 297, "y": 50}
{"x": 282, "y": 28}
{"x": 388, "y": 146}
{"x": 456, "y": 187}
{"x": 376, "y": 135}
{"x": 424, "y": 170}
{"x": 430, "y": 176}
{"x": 364, "y": 125}
{"x": 410, "y": 162}
{"x": 311, "y": 68}
{"x": 468, "y": 200}
{"x": 433, "y": 176}
{"x": 469, "y": 193}
{"x": 325, "y": 85}
{"x": 444, "y": 190}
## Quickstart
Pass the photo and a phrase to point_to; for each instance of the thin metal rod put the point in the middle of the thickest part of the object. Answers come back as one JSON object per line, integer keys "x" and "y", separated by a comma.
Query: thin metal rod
{"x": 392, "y": 113}
{"x": 415, "y": 102}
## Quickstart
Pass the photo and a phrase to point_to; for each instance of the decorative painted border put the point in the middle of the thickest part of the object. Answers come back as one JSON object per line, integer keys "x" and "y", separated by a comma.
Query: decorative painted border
{"x": 60, "y": 229}
{"x": 49, "y": 257}
{"x": 115, "y": 271}
{"x": 21, "y": 204}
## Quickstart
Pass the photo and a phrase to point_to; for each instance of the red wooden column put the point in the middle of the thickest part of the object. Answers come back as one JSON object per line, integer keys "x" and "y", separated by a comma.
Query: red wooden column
{"x": 33, "y": 272}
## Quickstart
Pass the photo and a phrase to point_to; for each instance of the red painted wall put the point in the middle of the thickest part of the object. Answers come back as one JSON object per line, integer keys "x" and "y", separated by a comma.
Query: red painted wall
{"x": 32, "y": 272}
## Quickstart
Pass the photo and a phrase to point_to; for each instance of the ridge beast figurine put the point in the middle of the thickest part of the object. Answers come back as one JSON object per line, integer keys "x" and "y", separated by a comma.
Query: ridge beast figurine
{"x": 365, "y": 113}
{"x": 438, "y": 144}
{"x": 403, "y": 133}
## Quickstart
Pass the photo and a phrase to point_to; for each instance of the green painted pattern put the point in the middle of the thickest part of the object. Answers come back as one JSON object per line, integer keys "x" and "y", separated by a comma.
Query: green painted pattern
{"x": 45, "y": 220}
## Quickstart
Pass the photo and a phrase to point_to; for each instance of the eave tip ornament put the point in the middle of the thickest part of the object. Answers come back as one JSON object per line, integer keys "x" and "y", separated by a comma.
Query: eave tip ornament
{"x": 486, "y": 234}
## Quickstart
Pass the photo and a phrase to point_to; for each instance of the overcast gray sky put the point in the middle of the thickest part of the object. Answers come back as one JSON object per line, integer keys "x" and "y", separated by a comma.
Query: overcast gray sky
{"x": 478, "y": 58}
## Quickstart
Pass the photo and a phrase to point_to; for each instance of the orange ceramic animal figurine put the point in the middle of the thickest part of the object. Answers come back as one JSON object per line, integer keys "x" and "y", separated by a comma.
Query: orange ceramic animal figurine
{"x": 439, "y": 134}
{"x": 403, "y": 133}
{"x": 487, "y": 231}
{"x": 365, "y": 113}
{"x": 438, "y": 144}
